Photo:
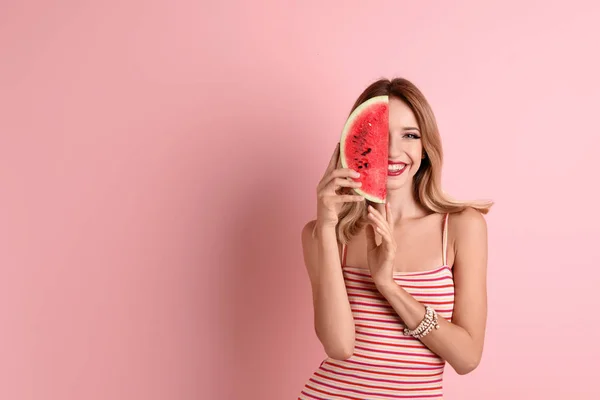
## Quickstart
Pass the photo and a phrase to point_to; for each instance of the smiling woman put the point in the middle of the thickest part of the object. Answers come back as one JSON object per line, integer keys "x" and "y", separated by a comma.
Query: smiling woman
{"x": 398, "y": 289}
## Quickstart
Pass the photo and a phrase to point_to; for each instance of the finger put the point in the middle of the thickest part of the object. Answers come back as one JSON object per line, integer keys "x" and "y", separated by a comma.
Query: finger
{"x": 377, "y": 215}
{"x": 387, "y": 240}
{"x": 340, "y": 182}
{"x": 348, "y": 198}
{"x": 344, "y": 173}
{"x": 338, "y": 173}
{"x": 385, "y": 234}
{"x": 380, "y": 226}
{"x": 381, "y": 208}
{"x": 371, "y": 243}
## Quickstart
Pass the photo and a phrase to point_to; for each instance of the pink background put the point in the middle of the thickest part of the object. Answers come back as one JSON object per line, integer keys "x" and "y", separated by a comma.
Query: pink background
{"x": 158, "y": 160}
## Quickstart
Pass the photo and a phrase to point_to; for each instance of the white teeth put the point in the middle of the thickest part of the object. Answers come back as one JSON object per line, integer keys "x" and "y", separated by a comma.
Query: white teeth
{"x": 396, "y": 167}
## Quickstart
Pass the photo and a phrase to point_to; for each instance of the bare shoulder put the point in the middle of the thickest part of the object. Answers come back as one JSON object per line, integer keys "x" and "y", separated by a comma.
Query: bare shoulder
{"x": 308, "y": 233}
{"x": 470, "y": 238}
{"x": 468, "y": 222}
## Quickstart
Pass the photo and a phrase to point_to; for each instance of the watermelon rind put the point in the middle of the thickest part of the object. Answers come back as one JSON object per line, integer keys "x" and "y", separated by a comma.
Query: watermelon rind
{"x": 345, "y": 131}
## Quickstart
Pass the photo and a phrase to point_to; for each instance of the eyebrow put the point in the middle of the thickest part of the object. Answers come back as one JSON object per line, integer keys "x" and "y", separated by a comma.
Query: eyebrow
{"x": 410, "y": 128}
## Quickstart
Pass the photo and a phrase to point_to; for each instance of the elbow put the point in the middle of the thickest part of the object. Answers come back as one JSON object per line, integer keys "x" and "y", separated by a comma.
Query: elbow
{"x": 468, "y": 366}
{"x": 341, "y": 351}
{"x": 341, "y": 354}
{"x": 464, "y": 370}
{"x": 338, "y": 348}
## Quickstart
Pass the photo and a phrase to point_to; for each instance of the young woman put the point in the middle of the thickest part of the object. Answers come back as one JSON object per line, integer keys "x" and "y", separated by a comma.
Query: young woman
{"x": 398, "y": 289}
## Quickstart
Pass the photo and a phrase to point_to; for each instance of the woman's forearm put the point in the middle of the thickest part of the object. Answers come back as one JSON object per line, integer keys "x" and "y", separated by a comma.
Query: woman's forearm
{"x": 451, "y": 342}
{"x": 334, "y": 323}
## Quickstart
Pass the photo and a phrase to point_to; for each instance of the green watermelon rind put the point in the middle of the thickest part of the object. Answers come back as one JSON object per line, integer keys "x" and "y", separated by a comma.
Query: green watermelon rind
{"x": 346, "y": 130}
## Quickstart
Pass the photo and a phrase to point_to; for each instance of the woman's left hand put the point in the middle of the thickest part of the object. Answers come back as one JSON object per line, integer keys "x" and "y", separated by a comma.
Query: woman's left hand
{"x": 381, "y": 257}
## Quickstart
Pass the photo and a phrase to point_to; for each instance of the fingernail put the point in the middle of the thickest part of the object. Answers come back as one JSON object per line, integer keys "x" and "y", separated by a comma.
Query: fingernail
{"x": 355, "y": 174}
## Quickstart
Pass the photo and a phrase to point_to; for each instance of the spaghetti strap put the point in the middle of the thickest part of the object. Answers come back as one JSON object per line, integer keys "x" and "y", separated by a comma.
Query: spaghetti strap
{"x": 344, "y": 250}
{"x": 445, "y": 240}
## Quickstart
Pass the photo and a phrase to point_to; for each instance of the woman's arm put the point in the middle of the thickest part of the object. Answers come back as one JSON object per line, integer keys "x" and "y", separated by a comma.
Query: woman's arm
{"x": 333, "y": 320}
{"x": 459, "y": 342}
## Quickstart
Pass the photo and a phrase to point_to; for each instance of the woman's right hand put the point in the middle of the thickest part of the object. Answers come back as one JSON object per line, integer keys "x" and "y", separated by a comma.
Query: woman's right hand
{"x": 329, "y": 201}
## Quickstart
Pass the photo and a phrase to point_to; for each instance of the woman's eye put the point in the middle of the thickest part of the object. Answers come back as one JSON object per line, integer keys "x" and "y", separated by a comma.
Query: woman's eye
{"x": 411, "y": 136}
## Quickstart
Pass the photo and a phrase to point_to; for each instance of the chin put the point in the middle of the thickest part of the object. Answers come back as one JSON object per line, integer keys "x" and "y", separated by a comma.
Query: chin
{"x": 396, "y": 185}
{"x": 399, "y": 182}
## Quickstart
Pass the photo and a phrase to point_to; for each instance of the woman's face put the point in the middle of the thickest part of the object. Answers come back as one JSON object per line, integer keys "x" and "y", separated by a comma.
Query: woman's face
{"x": 405, "y": 146}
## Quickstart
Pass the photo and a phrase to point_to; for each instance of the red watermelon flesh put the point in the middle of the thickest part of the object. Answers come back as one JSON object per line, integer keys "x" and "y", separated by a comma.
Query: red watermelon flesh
{"x": 364, "y": 147}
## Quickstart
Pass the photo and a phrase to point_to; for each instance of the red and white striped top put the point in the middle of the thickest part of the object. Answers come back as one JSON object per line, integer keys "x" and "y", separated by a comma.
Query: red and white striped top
{"x": 386, "y": 364}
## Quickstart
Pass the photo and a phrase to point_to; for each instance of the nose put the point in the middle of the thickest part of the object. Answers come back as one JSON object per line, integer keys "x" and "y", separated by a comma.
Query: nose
{"x": 394, "y": 146}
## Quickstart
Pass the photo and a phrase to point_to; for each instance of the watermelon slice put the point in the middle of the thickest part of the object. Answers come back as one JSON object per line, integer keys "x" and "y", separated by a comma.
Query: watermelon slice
{"x": 364, "y": 147}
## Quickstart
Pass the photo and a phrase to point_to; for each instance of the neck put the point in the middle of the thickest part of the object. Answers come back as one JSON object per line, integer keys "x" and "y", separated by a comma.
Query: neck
{"x": 403, "y": 204}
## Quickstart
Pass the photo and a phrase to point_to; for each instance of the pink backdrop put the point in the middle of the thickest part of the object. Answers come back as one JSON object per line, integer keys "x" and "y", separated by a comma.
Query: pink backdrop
{"x": 158, "y": 160}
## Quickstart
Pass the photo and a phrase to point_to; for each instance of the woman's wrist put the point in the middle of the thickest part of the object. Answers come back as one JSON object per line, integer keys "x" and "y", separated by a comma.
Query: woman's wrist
{"x": 386, "y": 286}
{"x": 325, "y": 225}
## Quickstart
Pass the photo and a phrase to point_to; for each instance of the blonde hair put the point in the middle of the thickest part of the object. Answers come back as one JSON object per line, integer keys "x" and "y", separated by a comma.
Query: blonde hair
{"x": 427, "y": 181}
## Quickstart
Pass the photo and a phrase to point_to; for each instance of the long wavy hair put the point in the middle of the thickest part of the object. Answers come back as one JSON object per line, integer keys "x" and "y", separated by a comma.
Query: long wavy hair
{"x": 427, "y": 181}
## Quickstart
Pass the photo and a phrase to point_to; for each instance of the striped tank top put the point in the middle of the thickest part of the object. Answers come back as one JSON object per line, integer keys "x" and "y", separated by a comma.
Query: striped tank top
{"x": 386, "y": 364}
